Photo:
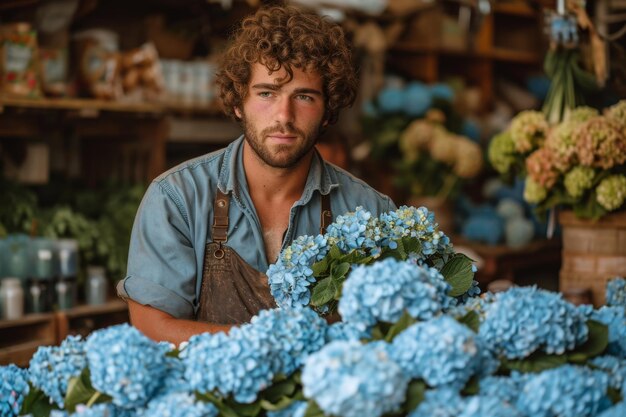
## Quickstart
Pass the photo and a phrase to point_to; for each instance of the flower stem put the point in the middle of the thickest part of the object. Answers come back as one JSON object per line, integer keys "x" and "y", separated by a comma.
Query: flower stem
{"x": 93, "y": 399}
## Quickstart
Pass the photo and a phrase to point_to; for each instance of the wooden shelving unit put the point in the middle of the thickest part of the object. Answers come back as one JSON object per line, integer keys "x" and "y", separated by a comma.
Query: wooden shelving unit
{"x": 20, "y": 339}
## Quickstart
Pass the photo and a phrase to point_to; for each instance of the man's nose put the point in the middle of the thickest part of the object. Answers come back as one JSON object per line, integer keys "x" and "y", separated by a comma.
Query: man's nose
{"x": 284, "y": 111}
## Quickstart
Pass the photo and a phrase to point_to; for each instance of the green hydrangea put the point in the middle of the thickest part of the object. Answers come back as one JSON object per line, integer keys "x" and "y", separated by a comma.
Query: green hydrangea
{"x": 529, "y": 130}
{"x": 582, "y": 114}
{"x": 501, "y": 152}
{"x": 611, "y": 192}
{"x": 579, "y": 180}
{"x": 617, "y": 112}
{"x": 533, "y": 192}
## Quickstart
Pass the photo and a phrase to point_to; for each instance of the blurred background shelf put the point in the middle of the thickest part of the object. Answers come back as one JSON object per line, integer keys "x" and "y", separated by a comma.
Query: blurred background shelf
{"x": 20, "y": 338}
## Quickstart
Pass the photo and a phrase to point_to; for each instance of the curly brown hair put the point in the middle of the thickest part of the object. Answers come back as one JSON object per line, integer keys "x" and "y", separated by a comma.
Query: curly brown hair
{"x": 286, "y": 37}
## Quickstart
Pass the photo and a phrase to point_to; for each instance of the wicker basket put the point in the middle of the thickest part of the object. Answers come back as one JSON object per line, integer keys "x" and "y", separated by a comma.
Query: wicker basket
{"x": 593, "y": 253}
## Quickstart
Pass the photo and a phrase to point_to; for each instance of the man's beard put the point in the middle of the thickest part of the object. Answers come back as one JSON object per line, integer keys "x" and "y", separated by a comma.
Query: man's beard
{"x": 280, "y": 156}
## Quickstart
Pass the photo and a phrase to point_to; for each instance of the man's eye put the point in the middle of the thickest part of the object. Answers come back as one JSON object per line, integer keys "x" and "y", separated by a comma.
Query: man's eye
{"x": 304, "y": 97}
{"x": 265, "y": 94}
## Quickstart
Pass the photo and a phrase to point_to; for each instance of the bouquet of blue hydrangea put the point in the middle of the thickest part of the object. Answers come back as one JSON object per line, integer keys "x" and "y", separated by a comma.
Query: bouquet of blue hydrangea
{"x": 312, "y": 270}
{"x": 412, "y": 342}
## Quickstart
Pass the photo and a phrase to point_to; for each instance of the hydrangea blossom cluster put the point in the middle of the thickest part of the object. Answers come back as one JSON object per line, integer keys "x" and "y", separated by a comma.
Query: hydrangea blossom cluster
{"x": 616, "y": 292}
{"x": 418, "y": 223}
{"x": 506, "y": 389}
{"x": 354, "y": 231}
{"x": 601, "y": 143}
{"x": 441, "y": 351}
{"x": 295, "y": 409}
{"x": 126, "y": 365}
{"x": 562, "y": 143}
{"x": 501, "y": 152}
{"x": 291, "y": 276}
{"x": 611, "y": 192}
{"x": 528, "y": 130}
{"x": 614, "y": 367}
{"x": 567, "y": 391}
{"x": 346, "y": 331}
{"x": 618, "y": 410}
{"x": 99, "y": 410}
{"x": 349, "y": 379}
{"x": 541, "y": 167}
{"x": 485, "y": 406}
{"x": 383, "y": 291}
{"x": 237, "y": 364}
{"x": 440, "y": 402}
{"x": 293, "y": 335}
{"x": 13, "y": 389}
{"x": 533, "y": 191}
{"x": 522, "y": 320}
{"x": 52, "y": 367}
{"x": 179, "y": 404}
{"x": 579, "y": 180}
{"x": 617, "y": 112}
{"x": 582, "y": 114}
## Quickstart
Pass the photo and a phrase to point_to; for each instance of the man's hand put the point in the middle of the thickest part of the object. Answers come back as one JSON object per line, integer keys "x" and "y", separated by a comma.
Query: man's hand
{"x": 161, "y": 326}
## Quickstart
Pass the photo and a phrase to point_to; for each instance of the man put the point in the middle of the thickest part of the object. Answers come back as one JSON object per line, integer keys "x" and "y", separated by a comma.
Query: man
{"x": 207, "y": 230}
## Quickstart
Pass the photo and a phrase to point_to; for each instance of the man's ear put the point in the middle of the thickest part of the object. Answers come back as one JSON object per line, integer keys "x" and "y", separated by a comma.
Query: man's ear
{"x": 237, "y": 112}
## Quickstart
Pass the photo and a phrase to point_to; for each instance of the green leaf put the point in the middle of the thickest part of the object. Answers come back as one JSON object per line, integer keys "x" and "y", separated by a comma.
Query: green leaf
{"x": 377, "y": 333}
{"x": 398, "y": 327}
{"x": 365, "y": 260}
{"x": 339, "y": 270}
{"x": 313, "y": 410}
{"x": 245, "y": 410}
{"x": 80, "y": 391}
{"x": 458, "y": 273}
{"x": 411, "y": 244}
{"x": 596, "y": 343}
{"x": 322, "y": 292}
{"x": 472, "y": 386}
{"x": 37, "y": 403}
{"x": 279, "y": 390}
{"x": 283, "y": 402}
{"x": 320, "y": 268}
{"x": 472, "y": 320}
{"x": 537, "y": 362}
{"x": 401, "y": 251}
{"x": 414, "y": 395}
{"x": 334, "y": 253}
{"x": 614, "y": 395}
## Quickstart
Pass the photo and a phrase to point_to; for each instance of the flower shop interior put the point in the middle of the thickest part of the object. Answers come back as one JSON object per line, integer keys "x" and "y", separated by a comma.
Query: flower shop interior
{"x": 505, "y": 119}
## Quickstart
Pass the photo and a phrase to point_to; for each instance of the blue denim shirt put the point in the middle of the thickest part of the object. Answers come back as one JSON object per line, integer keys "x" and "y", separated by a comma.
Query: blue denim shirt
{"x": 171, "y": 228}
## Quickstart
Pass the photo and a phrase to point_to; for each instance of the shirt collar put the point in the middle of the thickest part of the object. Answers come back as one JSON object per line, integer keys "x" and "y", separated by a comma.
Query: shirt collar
{"x": 232, "y": 173}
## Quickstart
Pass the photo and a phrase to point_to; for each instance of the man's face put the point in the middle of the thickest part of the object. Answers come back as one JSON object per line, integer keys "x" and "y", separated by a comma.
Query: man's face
{"x": 282, "y": 121}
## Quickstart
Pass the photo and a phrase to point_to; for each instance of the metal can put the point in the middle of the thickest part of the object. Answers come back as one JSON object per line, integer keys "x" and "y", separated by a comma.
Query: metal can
{"x": 96, "y": 288}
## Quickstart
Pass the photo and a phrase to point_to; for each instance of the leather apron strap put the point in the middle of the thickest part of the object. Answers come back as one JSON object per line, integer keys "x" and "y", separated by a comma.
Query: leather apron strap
{"x": 232, "y": 292}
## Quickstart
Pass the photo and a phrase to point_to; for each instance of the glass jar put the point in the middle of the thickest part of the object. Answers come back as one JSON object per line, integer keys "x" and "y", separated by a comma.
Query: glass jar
{"x": 65, "y": 289}
{"x": 96, "y": 286}
{"x": 12, "y": 298}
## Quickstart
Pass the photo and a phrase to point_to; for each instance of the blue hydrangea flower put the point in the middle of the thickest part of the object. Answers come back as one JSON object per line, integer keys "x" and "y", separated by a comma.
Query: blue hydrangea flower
{"x": 441, "y": 351}
{"x": 615, "y": 319}
{"x": 488, "y": 361}
{"x": 346, "y": 331}
{"x": 349, "y": 379}
{"x": 618, "y": 410}
{"x": 614, "y": 367}
{"x": 291, "y": 276}
{"x": 126, "y": 365}
{"x": 13, "y": 389}
{"x": 238, "y": 364}
{"x": 616, "y": 292}
{"x": 179, "y": 404}
{"x": 525, "y": 319}
{"x": 102, "y": 410}
{"x": 485, "y": 406}
{"x": 506, "y": 389}
{"x": 295, "y": 409}
{"x": 383, "y": 291}
{"x": 567, "y": 391}
{"x": 440, "y": 402}
{"x": 420, "y": 223}
{"x": 292, "y": 334}
{"x": 356, "y": 230}
{"x": 52, "y": 367}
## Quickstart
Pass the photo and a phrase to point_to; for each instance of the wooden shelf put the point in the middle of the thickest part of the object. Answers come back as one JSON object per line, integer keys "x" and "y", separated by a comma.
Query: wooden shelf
{"x": 26, "y": 320}
{"x": 113, "y": 306}
{"x": 514, "y": 8}
{"x": 519, "y": 57}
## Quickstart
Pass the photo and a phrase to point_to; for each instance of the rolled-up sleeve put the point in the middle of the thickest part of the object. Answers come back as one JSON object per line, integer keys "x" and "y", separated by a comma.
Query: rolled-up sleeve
{"x": 161, "y": 259}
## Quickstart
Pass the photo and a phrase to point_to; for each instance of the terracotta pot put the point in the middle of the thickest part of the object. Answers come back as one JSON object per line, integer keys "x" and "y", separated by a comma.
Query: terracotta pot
{"x": 444, "y": 214}
{"x": 593, "y": 253}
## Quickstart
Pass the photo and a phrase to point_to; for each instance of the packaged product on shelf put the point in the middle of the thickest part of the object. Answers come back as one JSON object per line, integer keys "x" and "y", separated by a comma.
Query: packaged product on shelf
{"x": 18, "y": 60}
{"x": 142, "y": 77}
{"x": 53, "y": 71}
{"x": 98, "y": 64}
